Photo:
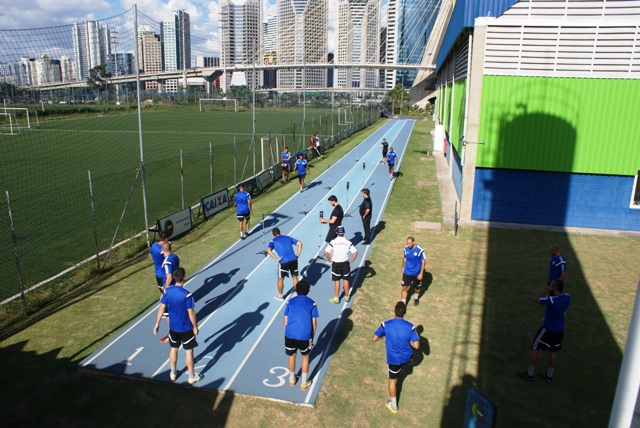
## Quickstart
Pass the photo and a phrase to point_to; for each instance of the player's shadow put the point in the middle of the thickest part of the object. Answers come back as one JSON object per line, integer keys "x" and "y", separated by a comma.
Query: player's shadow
{"x": 313, "y": 272}
{"x": 225, "y": 339}
{"x": 216, "y": 302}
{"x": 367, "y": 270}
{"x": 273, "y": 220}
{"x": 314, "y": 184}
{"x": 212, "y": 282}
{"x": 397, "y": 174}
{"x": 323, "y": 349}
{"x": 357, "y": 238}
{"x": 377, "y": 229}
{"x": 453, "y": 412}
{"x": 425, "y": 283}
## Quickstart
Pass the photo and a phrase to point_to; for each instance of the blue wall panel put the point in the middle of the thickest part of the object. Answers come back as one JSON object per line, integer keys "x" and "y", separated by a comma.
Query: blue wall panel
{"x": 552, "y": 198}
{"x": 456, "y": 172}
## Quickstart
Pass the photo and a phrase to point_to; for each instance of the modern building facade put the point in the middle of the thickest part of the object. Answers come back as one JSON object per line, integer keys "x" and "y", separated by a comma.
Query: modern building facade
{"x": 121, "y": 64}
{"x": 539, "y": 102}
{"x": 270, "y": 51}
{"x": 358, "y": 42}
{"x": 150, "y": 52}
{"x": 175, "y": 32}
{"x": 302, "y": 39}
{"x": 409, "y": 25}
{"x": 91, "y": 43}
{"x": 241, "y": 38}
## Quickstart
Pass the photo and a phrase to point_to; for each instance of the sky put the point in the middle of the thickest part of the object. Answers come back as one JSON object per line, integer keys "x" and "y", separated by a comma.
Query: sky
{"x": 26, "y": 14}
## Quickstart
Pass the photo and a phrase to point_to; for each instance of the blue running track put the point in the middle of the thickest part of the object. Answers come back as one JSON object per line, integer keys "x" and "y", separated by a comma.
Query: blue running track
{"x": 241, "y": 340}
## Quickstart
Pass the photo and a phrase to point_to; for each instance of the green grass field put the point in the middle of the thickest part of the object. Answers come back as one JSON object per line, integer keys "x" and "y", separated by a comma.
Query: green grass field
{"x": 46, "y": 169}
{"x": 477, "y": 315}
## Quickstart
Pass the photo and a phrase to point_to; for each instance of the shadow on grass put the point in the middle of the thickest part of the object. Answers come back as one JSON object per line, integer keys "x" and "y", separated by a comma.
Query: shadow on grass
{"x": 49, "y": 390}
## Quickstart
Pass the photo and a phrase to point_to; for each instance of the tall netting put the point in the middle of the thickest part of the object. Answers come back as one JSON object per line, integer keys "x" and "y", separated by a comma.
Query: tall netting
{"x": 82, "y": 139}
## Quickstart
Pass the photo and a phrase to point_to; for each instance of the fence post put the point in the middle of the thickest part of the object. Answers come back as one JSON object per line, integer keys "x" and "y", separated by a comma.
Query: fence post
{"x": 15, "y": 252}
{"x": 235, "y": 174}
{"x": 182, "y": 178}
{"x": 211, "y": 167}
{"x": 93, "y": 218}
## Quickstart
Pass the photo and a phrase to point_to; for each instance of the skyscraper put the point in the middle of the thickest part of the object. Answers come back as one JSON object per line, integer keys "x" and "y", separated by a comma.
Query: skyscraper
{"x": 241, "y": 38}
{"x": 270, "y": 51}
{"x": 176, "y": 45}
{"x": 358, "y": 42}
{"x": 150, "y": 53}
{"x": 91, "y": 46}
{"x": 302, "y": 39}
{"x": 409, "y": 26}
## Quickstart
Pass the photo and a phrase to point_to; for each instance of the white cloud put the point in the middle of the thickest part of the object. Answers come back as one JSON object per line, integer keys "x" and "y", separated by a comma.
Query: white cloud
{"x": 37, "y": 14}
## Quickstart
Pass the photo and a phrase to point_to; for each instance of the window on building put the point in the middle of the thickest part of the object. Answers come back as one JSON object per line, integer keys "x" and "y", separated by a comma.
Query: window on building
{"x": 635, "y": 195}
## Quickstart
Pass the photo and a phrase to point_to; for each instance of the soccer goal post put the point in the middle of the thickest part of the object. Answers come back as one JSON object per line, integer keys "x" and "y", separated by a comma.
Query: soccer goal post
{"x": 18, "y": 111}
{"x": 270, "y": 148}
{"x": 345, "y": 116}
{"x": 8, "y": 124}
{"x": 218, "y": 104}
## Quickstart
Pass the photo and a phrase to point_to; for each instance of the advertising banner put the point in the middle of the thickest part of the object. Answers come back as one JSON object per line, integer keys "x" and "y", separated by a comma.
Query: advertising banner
{"x": 175, "y": 224}
{"x": 215, "y": 202}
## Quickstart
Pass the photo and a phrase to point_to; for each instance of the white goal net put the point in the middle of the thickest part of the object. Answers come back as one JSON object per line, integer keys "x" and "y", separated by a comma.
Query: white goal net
{"x": 271, "y": 147}
{"x": 8, "y": 124}
{"x": 219, "y": 104}
{"x": 345, "y": 116}
{"x": 19, "y": 114}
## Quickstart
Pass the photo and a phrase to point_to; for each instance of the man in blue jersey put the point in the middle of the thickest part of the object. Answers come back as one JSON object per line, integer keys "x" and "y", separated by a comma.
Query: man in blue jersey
{"x": 549, "y": 336}
{"x": 557, "y": 264}
{"x": 391, "y": 161}
{"x": 413, "y": 264}
{"x": 281, "y": 250}
{"x": 183, "y": 326}
{"x": 285, "y": 158}
{"x": 155, "y": 253}
{"x": 170, "y": 263}
{"x": 301, "y": 167}
{"x": 401, "y": 338}
{"x": 242, "y": 201}
{"x": 300, "y": 322}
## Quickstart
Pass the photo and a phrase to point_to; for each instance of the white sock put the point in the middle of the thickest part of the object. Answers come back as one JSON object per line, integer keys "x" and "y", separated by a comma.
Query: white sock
{"x": 404, "y": 301}
{"x": 530, "y": 370}
{"x": 394, "y": 402}
{"x": 550, "y": 372}
{"x": 292, "y": 377}
{"x": 416, "y": 295}
{"x": 304, "y": 377}
{"x": 240, "y": 233}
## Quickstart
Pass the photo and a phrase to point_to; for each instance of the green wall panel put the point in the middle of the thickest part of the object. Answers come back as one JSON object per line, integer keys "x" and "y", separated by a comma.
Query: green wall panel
{"x": 560, "y": 124}
{"x": 457, "y": 113}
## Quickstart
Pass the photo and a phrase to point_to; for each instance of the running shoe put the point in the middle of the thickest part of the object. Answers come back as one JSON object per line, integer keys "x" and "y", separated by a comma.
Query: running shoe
{"x": 525, "y": 375}
{"x": 389, "y": 405}
{"x": 347, "y": 298}
{"x": 306, "y": 385}
{"x": 334, "y": 300}
{"x": 545, "y": 377}
{"x": 196, "y": 377}
{"x": 279, "y": 297}
{"x": 292, "y": 382}
{"x": 416, "y": 302}
{"x": 165, "y": 339}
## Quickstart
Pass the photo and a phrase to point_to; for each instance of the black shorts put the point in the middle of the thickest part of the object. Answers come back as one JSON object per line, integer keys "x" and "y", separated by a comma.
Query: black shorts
{"x": 285, "y": 268}
{"x": 241, "y": 217}
{"x": 409, "y": 280}
{"x": 160, "y": 282}
{"x": 391, "y": 165}
{"x": 291, "y": 346}
{"x": 384, "y": 154}
{"x": 340, "y": 270}
{"x": 185, "y": 338}
{"x": 331, "y": 234}
{"x": 546, "y": 340}
{"x": 301, "y": 176}
{"x": 394, "y": 370}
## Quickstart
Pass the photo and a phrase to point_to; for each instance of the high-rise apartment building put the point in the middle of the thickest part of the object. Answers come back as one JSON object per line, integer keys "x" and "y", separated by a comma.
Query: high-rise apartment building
{"x": 270, "y": 51}
{"x": 302, "y": 39}
{"x": 150, "y": 54}
{"x": 176, "y": 45}
{"x": 241, "y": 38}
{"x": 409, "y": 26}
{"x": 358, "y": 42}
{"x": 91, "y": 46}
{"x": 67, "y": 69}
{"x": 121, "y": 64}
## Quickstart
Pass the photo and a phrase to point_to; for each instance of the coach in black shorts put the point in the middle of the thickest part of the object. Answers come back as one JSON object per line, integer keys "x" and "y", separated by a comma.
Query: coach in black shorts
{"x": 335, "y": 220}
{"x": 338, "y": 255}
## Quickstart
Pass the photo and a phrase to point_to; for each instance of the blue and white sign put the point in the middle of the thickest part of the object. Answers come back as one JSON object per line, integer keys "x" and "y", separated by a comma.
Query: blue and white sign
{"x": 215, "y": 202}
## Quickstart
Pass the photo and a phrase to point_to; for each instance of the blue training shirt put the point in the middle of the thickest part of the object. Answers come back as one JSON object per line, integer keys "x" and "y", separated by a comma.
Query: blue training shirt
{"x": 158, "y": 258}
{"x": 283, "y": 246}
{"x": 242, "y": 202}
{"x": 178, "y": 299}
{"x": 400, "y": 333}
{"x": 300, "y": 310}
{"x": 286, "y": 156}
{"x": 301, "y": 164}
{"x": 414, "y": 257}
{"x": 556, "y": 308}
{"x": 391, "y": 157}
{"x": 557, "y": 265}
{"x": 170, "y": 264}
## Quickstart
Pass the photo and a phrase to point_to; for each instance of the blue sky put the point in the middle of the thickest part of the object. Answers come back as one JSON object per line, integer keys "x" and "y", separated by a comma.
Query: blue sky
{"x": 24, "y": 14}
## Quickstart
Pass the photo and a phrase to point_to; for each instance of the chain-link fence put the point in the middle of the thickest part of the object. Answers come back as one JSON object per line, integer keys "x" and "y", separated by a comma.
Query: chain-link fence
{"x": 72, "y": 169}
